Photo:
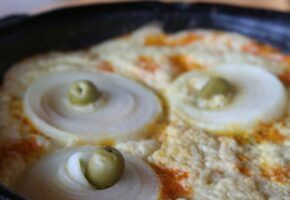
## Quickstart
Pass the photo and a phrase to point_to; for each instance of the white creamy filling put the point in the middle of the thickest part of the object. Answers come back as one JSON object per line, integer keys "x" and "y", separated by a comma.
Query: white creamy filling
{"x": 141, "y": 149}
{"x": 213, "y": 164}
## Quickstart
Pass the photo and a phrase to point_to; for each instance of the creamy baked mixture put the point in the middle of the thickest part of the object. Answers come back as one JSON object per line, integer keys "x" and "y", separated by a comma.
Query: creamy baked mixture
{"x": 199, "y": 114}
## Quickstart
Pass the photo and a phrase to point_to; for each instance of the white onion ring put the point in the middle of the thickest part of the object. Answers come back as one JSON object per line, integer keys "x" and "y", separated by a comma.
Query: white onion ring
{"x": 130, "y": 108}
{"x": 50, "y": 179}
{"x": 260, "y": 97}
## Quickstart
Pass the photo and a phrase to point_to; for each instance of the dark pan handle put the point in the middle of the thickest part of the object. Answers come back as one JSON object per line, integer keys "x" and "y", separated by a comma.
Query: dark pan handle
{"x": 12, "y": 19}
{"x": 6, "y": 194}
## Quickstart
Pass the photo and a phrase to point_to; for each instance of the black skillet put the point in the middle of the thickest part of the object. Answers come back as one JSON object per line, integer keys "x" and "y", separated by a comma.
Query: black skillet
{"x": 80, "y": 27}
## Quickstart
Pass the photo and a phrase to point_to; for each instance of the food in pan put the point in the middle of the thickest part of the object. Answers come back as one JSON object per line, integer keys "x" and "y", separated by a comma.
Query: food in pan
{"x": 198, "y": 114}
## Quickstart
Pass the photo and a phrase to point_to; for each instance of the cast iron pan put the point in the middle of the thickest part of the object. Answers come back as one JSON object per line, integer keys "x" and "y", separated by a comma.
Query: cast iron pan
{"x": 80, "y": 27}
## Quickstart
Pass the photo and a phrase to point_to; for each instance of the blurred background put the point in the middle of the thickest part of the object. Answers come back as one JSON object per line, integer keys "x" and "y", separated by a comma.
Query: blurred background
{"x": 8, "y": 7}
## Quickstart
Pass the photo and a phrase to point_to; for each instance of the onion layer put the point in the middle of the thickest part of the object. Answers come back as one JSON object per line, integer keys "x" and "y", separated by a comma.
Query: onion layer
{"x": 259, "y": 97}
{"x": 60, "y": 176}
{"x": 124, "y": 112}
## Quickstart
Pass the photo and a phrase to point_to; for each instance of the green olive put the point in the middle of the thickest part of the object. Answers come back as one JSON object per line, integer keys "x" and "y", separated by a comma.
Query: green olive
{"x": 83, "y": 92}
{"x": 215, "y": 86}
{"x": 105, "y": 167}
